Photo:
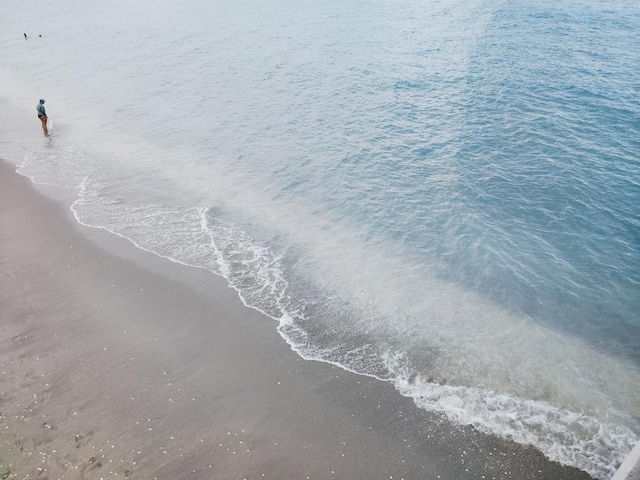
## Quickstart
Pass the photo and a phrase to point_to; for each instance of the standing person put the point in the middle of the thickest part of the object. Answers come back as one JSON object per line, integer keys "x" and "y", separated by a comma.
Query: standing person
{"x": 42, "y": 115}
{"x": 25, "y": 36}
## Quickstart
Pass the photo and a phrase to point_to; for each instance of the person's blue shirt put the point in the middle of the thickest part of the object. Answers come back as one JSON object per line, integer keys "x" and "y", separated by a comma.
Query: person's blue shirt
{"x": 40, "y": 109}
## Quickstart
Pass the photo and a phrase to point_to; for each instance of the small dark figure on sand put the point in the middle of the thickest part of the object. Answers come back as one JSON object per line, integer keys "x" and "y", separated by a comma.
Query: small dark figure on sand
{"x": 25, "y": 36}
{"x": 42, "y": 115}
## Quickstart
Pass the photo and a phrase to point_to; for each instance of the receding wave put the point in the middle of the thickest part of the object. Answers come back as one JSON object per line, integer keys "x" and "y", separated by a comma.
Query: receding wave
{"x": 514, "y": 393}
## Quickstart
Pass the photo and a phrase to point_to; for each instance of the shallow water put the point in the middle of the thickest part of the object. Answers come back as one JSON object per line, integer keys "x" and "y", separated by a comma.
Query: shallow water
{"x": 442, "y": 195}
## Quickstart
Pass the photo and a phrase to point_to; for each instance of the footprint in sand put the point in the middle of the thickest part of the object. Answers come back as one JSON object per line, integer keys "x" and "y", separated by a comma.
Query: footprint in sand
{"x": 94, "y": 463}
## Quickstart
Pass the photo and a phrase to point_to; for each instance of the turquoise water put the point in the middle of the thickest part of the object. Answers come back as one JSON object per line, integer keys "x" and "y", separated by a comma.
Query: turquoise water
{"x": 443, "y": 195}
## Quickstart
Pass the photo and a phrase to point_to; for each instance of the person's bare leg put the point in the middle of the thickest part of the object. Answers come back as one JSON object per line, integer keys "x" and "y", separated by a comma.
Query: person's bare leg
{"x": 43, "y": 119}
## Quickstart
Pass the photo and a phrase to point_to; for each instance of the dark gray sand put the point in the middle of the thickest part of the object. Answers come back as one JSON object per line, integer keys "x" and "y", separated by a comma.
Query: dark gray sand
{"x": 117, "y": 363}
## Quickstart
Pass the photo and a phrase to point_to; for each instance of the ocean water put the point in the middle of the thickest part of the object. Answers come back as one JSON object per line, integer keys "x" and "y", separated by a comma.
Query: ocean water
{"x": 441, "y": 194}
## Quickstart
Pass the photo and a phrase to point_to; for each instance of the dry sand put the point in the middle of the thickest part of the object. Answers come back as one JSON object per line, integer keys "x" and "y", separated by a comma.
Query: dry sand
{"x": 117, "y": 363}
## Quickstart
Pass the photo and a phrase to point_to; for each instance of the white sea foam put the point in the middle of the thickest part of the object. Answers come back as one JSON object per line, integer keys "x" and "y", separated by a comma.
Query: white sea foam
{"x": 568, "y": 437}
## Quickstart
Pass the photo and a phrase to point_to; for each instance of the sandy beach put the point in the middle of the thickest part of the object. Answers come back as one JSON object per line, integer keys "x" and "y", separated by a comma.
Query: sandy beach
{"x": 117, "y": 363}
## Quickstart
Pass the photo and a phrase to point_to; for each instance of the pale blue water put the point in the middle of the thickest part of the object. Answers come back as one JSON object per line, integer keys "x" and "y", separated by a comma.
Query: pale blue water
{"x": 441, "y": 194}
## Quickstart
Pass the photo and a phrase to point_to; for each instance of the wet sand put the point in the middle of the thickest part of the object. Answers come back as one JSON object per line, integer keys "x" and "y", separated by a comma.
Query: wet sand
{"x": 117, "y": 363}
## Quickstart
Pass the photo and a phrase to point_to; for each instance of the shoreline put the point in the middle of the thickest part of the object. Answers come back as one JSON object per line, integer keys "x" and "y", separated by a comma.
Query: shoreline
{"x": 116, "y": 362}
